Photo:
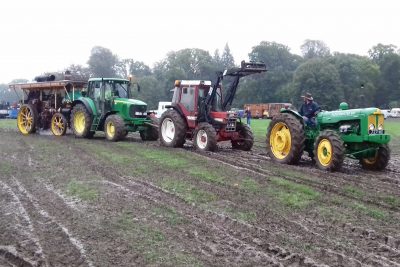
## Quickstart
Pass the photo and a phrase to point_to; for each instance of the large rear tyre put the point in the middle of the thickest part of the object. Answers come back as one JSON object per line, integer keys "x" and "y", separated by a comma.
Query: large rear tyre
{"x": 329, "y": 151}
{"x": 151, "y": 132}
{"x": 58, "y": 124}
{"x": 205, "y": 137}
{"x": 172, "y": 129}
{"x": 285, "y": 139}
{"x": 246, "y": 138}
{"x": 27, "y": 119}
{"x": 81, "y": 121}
{"x": 379, "y": 161}
{"x": 114, "y": 128}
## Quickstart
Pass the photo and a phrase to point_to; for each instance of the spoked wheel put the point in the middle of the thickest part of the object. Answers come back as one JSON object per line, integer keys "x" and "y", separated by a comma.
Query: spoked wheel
{"x": 27, "y": 119}
{"x": 205, "y": 137}
{"x": 58, "y": 124}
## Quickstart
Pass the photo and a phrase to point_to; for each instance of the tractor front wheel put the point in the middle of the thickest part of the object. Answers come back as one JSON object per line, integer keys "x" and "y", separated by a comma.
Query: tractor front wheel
{"x": 27, "y": 119}
{"x": 81, "y": 122}
{"x": 172, "y": 129}
{"x": 205, "y": 137}
{"x": 246, "y": 138}
{"x": 58, "y": 124}
{"x": 379, "y": 161}
{"x": 285, "y": 139}
{"x": 114, "y": 127}
{"x": 329, "y": 151}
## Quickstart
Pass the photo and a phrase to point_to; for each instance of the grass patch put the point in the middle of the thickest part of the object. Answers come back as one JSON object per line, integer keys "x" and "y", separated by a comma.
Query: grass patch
{"x": 205, "y": 175}
{"x": 249, "y": 185}
{"x": 152, "y": 243}
{"x": 394, "y": 202}
{"x": 170, "y": 215}
{"x": 164, "y": 158}
{"x": 247, "y": 216}
{"x": 292, "y": 194}
{"x": 353, "y": 191}
{"x": 81, "y": 191}
{"x": 5, "y": 168}
{"x": 188, "y": 192}
{"x": 8, "y": 124}
{"x": 371, "y": 212}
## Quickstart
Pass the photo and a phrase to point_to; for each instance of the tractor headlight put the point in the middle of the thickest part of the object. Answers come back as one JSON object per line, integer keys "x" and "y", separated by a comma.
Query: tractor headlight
{"x": 380, "y": 127}
{"x": 371, "y": 127}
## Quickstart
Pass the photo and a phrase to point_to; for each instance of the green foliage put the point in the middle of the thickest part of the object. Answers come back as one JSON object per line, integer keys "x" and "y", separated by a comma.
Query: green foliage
{"x": 318, "y": 77}
{"x": 314, "y": 49}
{"x": 102, "y": 62}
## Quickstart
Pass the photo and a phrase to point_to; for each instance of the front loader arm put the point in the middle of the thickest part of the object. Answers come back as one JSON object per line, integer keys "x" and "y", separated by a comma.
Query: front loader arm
{"x": 246, "y": 68}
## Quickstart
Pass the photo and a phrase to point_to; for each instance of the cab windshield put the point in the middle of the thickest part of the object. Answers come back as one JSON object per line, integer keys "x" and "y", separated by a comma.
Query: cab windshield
{"x": 121, "y": 90}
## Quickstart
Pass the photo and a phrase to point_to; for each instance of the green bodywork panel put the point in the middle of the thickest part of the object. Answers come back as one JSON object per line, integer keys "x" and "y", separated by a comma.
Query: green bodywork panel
{"x": 103, "y": 103}
{"x": 353, "y": 127}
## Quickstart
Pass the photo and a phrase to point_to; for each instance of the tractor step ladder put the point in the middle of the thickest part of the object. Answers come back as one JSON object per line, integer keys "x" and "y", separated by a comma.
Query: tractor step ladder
{"x": 95, "y": 123}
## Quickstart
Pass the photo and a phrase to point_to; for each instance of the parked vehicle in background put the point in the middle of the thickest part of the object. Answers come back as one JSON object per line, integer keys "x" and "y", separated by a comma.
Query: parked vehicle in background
{"x": 161, "y": 109}
{"x": 395, "y": 113}
{"x": 386, "y": 113}
{"x": 3, "y": 111}
{"x": 266, "y": 110}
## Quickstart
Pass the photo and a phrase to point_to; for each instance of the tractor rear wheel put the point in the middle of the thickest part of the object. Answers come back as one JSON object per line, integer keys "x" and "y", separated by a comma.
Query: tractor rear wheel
{"x": 329, "y": 151}
{"x": 151, "y": 132}
{"x": 205, "y": 137}
{"x": 27, "y": 119}
{"x": 114, "y": 128}
{"x": 379, "y": 161}
{"x": 285, "y": 139}
{"x": 58, "y": 124}
{"x": 172, "y": 129}
{"x": 81, "y": 121}
{"x": 246, "y": 136}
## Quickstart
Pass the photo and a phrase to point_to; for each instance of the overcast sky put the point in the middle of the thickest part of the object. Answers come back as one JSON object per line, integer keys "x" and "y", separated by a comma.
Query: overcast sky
{"x": 43, "y": 35}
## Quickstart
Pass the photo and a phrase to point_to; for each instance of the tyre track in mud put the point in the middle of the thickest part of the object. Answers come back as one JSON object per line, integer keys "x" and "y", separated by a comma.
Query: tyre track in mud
{"x": 215, "y": 234}
{"x": 255, "y": 162}
{"x": 56, "y": 244}
{"x": 382, "y": 244}
{"x": 255, "y": 234}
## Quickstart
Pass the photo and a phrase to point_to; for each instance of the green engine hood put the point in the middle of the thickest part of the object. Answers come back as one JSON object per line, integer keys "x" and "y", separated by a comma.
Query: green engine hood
{"x": 129, "y": 101}
{"x": 349, "y": 114}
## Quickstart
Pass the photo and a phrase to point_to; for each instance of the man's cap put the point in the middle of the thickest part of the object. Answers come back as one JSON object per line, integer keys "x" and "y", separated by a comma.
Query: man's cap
{"x": 308, "y": 96}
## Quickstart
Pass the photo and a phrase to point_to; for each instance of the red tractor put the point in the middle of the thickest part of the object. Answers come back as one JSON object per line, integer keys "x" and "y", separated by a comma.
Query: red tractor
{"x": 198, "y": 113}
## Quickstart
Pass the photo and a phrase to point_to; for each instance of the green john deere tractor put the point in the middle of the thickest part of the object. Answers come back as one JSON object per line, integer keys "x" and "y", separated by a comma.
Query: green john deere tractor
{"x": 355, "y": 133}
{"x": 108, "y": 106}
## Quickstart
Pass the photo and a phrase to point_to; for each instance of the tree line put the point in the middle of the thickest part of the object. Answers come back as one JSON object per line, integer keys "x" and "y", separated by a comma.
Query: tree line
{"x": 362, "y": 81}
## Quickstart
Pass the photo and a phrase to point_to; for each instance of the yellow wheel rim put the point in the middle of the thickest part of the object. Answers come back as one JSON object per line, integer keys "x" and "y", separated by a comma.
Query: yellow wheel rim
{"x": 25, "y": 120}
{"x": 110, "y": 129}
{"x": 79, "y": 121}
{"x": 325, "y": 152}
{"x": 57, "y": 125}
{"x": 280, "y": 140}
{"x": 370, "y": 161}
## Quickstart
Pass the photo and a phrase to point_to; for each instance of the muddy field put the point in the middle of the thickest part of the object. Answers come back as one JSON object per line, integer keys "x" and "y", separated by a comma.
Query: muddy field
{"x": 74, "y": 202}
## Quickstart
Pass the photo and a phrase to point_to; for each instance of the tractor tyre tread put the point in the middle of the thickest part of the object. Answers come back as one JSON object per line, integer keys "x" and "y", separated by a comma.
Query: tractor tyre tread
{"x": 180, "y": 129}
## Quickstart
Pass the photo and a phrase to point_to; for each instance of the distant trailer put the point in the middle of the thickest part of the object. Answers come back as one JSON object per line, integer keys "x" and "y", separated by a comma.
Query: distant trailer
{"x": 265, "y": 110}
{"x": 46, "y": 105}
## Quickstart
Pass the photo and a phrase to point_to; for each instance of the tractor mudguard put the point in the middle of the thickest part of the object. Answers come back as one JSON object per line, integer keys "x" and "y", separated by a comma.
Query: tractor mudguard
{"x": 176, "y": 107}
{"x": 295, "y": 113}
{"x": 88, "y": 103}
